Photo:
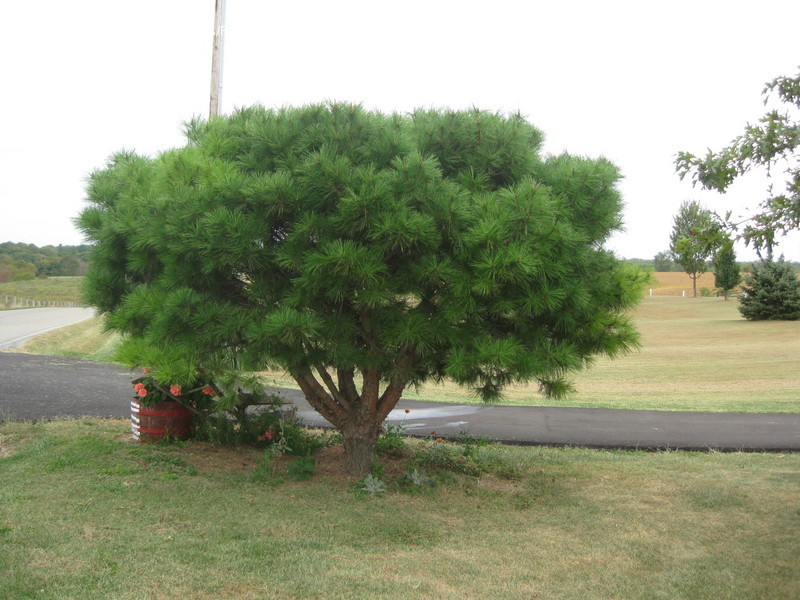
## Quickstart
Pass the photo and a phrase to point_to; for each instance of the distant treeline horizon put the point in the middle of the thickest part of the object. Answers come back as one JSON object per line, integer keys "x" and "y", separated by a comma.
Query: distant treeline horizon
{"x": 663, "y": 264}
{"x": 19, "y": 261}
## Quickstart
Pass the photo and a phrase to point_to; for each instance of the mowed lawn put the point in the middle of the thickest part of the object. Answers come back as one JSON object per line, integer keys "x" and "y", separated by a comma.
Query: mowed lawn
{"x": 86, "y": 513}
{"x": 700, "y": 354}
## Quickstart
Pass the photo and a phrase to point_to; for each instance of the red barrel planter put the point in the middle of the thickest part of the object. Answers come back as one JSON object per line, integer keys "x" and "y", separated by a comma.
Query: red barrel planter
{"x": 151, "y": 423}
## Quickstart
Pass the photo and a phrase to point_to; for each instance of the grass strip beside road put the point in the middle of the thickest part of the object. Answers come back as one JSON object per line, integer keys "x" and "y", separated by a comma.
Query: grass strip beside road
{"x": 84, "y": 512}
{"x": 50, "y": 289}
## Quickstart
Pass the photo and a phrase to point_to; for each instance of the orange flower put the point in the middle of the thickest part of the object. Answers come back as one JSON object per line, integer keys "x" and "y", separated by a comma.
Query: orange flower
{"x": 138, "y": 386}
{"x": 408, "y": 410}
{"x": 440, "y": 440}
{"x": 142, "y": 392}
{"x": 208, "y": 390}
{"x": 146, "y": 370}
{"x": 175, "y": 390}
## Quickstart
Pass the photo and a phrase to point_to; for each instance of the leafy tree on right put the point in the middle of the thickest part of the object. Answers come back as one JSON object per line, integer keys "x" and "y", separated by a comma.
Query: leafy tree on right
{"x": 773, "y": 142}
{"x": 771, "y": 293}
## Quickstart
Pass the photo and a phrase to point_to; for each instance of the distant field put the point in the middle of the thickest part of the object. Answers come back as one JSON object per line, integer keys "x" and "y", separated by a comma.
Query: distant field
{"x": 675, "y": 284}
{"x": 697, "y": 354}
{"x": 51, "y": 289}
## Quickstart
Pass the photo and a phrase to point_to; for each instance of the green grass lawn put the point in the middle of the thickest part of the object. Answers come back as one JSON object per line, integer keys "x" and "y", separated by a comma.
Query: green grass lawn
{"x": 86, "y": 339}
{"x": 86, "y": 513}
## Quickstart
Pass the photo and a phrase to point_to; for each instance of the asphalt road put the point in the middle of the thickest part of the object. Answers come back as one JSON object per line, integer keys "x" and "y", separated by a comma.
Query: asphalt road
{"x": 45, "y": 387}
{"x": 16, "y": 326}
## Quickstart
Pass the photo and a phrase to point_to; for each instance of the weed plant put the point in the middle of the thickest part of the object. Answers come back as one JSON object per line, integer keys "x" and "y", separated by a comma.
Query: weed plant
{"x": 266, "y": 429}
{"x": 392, "y": 442}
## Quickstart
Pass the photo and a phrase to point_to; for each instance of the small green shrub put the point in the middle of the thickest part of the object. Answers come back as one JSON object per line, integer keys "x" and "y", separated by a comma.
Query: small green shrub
{"x": 302, "y": 468}
{"x": 266, "y": 471}
{"x": 771, "y": 293}
{"x": 392, "y": 442}
{"x": 269, "y": 428}
{"x": 445, "y": 457}
{"x": 298, "y": 441}
{"x": 372, "y": 485}
{"x": 417, "y": 479}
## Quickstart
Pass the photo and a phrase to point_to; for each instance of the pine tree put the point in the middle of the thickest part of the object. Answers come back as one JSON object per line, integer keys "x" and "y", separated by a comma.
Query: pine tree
{"x": 771, "y": 293}
{"x": 726, "y": 270}
{"x": 364, "y": 253}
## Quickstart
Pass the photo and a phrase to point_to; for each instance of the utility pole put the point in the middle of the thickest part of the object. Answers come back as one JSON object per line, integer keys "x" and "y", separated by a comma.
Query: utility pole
{"x": 216, "y": 58}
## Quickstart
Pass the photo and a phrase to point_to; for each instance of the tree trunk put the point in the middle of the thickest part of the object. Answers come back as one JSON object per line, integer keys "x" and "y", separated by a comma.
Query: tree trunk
{"x": 360, "y": 441}
{"x": 694, "y": 285}
{"x": 358, "y": 417}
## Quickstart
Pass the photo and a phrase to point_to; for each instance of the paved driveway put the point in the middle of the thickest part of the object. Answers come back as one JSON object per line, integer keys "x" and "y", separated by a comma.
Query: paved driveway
{"x": 16, "y": 326}
{"x": 46, "y": 387}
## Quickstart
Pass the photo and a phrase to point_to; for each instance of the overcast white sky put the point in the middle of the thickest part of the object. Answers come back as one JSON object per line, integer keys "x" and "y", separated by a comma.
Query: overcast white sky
{"x": 633, "y": 81}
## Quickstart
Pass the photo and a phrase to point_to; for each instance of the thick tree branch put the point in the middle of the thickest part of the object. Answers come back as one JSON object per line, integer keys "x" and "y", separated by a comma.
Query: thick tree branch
{"x": 370, "y": 388}
{"x": 390, "y": 397}
{"x": 319, "y": 398}
{"x": 337, "y": 395}
{"x": 347, "y": 384}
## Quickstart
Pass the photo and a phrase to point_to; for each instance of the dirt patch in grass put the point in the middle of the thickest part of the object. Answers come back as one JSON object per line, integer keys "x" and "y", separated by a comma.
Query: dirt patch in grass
{"x": 5, "y": 449}
{"x": 208, "y": 458}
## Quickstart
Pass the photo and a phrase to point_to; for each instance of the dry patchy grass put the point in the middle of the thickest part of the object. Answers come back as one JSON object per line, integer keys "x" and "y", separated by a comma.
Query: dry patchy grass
{"x": 86, "y": 514}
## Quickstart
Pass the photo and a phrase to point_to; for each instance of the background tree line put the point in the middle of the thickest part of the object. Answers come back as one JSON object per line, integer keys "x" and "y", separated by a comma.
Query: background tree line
{"x": 663, "y": 263}
{"x": 19, "y": 262}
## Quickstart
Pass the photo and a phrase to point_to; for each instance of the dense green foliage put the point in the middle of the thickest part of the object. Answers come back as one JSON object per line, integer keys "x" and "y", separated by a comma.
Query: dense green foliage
{"x": 663, "y": 263}
{"x": 726, "y": 270}
{"x": 12, "y": 269}
{"x": 773, "y": 142}
{"x": 771, "y": 293}
{"x": 354, "y": 248}
{"x": 691, "y": 239}
{"x": 19, "y": 262}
